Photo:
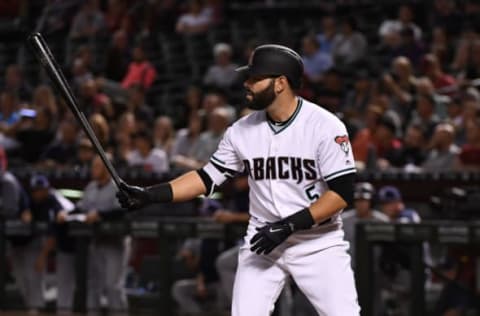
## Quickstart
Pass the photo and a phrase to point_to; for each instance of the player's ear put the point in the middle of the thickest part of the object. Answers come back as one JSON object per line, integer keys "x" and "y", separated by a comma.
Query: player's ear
{"x": 281, "y": 84}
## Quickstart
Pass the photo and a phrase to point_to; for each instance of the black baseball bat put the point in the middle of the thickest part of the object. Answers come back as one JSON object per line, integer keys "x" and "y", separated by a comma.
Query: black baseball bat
{"x": 45, "y": 57}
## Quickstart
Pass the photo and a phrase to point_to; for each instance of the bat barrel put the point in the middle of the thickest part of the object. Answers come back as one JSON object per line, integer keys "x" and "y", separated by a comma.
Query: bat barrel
{"x": 45, "y": 57}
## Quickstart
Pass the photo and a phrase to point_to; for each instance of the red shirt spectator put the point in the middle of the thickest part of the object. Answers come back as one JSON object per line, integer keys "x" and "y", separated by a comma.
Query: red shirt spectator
{"x": 469, "y": 157}
{"x": 140, "y": 71}
{"x": 443, "y": 83}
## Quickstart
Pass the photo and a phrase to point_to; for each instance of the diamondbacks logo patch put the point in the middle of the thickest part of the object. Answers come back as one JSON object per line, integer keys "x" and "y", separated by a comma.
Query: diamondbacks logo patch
{"x": 343, "y": 142}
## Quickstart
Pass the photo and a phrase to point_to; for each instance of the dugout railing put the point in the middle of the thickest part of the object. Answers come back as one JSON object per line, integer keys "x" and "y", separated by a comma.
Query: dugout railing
{"x": 167, "y": 230}
{"x": 413, "y": 238}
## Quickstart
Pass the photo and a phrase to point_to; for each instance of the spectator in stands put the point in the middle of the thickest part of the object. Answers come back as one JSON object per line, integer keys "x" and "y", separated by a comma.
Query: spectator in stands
{"x": 330, "y": 93}
{"x": 101, "y": 128}
{"x": 469, "y": 157}
{"x": 137, "y": 105}
{"x": 388, "y": 146}
{"x": 315, "y": 61}
{"x": 364, "y": 142}
{"x": 192, "y": 102}
{"x": 9, "y": 120}
{"x": 147, "y": 157}
{"x": 196, "y": 20}
{"x": 425, "y": 115}
{"x": 8, "y": 110}
{"x": 43, "y": 98}
{"x": 446, "y": 13}
{"x": 88, "y": 22}
{"x": 164, "y": 134}
{"x": 80, "y": 74}
{"x": 213, "y": 100}
{"x": 401, "y": 83}
{"x": 349, "y": 47}
{"x": 466, "y": 45}
{"x": 95, "y": 101}
{"x": 442, "y": 82}
{"x": 412, "y": 154}
{"x": 34, "y": 134}
{"x": 218, "y": 121}
{"x": 357, "y": 99}
{"x": 328, "y": 34}
{"x": 364, "y": 196}
{"x": 442, "y": 47}
{"x": 140, "y": 70}
{"x": 62, "y": 152}
{"x": 86, "y": 55}
{"x": 405, "y": 18}
{"x": 116, "y": 11}
{"x": 108, "y": 256}
{"x": 222, "y": 74}
{"x": 125, "y": 129}
{"x": 455, "y": 113}
{"x": 85, "y": 155}
{"x": 425, "y": 87}
{"x": 15, "y": 83}
{"x": 410, "y": 47}
{"x": 117, "y": 57}
{"x": 443, "y": 151}
{"x": 185, "y": 144}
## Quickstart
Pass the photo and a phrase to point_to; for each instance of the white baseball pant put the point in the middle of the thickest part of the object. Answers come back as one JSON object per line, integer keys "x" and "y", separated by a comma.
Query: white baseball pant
{"x": 320, "y": 266}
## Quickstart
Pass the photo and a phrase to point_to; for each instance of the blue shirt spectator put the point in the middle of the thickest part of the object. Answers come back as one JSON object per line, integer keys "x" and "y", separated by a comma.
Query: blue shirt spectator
{"x": 315, "y": 61}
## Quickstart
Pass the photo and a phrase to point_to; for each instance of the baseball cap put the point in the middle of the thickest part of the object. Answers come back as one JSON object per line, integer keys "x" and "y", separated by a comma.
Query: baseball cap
{"x": 39, "y": 182}
{"x": 389, "y": 194}
{"x": 364, "y": 190}
{"x": 275, "y": 60}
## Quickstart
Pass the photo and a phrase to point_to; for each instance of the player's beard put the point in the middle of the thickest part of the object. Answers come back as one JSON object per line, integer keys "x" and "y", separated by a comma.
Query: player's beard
{"x": 261, "y": 100}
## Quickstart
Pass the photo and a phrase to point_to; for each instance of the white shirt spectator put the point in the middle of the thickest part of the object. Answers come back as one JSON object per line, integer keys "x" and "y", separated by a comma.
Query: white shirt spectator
{"x": 156, "y": 161}
{"x": 389, "y": 27}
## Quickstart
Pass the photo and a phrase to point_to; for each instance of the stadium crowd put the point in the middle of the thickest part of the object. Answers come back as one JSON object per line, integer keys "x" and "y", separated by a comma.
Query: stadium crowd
{"x": 409, "y": 97}
{"x": 407, "y": 88}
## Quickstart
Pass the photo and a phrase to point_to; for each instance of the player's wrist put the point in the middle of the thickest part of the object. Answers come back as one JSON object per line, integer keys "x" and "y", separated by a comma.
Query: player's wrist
{"x": 300, "y": 220}
{"x": 159, "y": 193}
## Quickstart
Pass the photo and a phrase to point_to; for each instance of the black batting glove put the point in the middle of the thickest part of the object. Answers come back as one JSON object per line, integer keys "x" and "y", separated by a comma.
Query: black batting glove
{"x": 270, "y": 236}
{"x": 273, "y": 234}
{"x": 132, "y": 197}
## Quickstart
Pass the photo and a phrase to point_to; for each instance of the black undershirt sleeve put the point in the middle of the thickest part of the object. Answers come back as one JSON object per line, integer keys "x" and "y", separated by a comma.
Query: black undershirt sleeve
{"x": 207, "y": 181}
{"x": 343, "y": 186}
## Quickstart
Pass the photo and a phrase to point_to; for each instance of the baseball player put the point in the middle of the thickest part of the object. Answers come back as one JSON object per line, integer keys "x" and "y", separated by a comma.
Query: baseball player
{"x": 300, "y": 171}
{"x": 363, "y": 210}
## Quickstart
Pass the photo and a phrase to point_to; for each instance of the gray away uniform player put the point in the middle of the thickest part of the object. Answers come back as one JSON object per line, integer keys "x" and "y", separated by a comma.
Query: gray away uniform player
{"x": 300, "y": 172}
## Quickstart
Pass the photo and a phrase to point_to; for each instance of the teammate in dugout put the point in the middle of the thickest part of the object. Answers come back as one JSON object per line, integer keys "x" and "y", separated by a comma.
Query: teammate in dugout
{"x": 300, "y": 171}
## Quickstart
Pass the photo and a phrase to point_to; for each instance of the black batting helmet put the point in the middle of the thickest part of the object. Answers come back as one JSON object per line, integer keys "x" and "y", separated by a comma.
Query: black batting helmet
{"x": 275, "y": 60}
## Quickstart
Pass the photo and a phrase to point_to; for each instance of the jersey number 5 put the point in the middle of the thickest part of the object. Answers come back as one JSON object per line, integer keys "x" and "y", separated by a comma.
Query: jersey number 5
{"x": 313, "y": 196}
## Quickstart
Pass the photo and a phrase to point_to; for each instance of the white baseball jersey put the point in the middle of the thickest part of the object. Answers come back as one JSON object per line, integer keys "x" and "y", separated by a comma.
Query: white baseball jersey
{"x": 288, "y": 165}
